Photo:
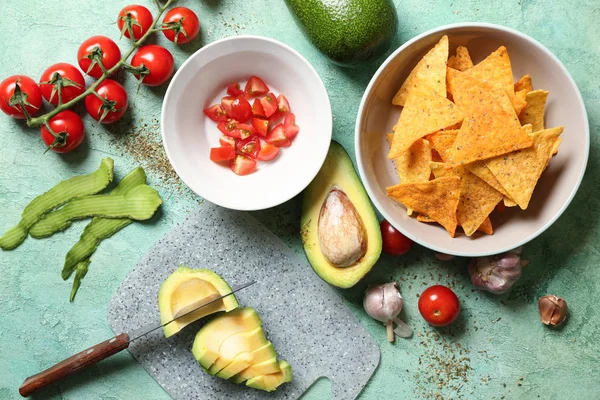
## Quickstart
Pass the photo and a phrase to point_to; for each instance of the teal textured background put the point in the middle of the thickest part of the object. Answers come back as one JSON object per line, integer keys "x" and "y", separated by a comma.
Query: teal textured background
{"x": 497, "y": 349}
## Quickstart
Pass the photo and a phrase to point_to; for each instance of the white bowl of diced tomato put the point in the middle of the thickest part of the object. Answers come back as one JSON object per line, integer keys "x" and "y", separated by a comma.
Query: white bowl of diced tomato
{"x": 246, "y": 122}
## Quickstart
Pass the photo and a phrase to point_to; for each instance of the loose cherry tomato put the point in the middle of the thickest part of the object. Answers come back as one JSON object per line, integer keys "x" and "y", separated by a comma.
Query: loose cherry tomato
{"x": 249, "y": 147}
{"x": 114, "y": 105}
{"x": 261, "y": 126}
{"x": 256, "y": 87}
{"x": 69, "y": 128}
{"x": 439, "y": 306}
{"x": 158, "y": 64}
{"x": 225, "y": 141}
{"x": 283, "y": 106}
{"x": 268, "y": 152}
{"x": 98, "y": 49}
{"x": 269, "y": 103}
{"x": 234, "y": 89}
{"x": 135, "y": 18}
{"x": 61, "y": 81}
{"x": 277, "y": 137}
{"x": 289, "y": 126}
{"x": 229, "y": 128}
{"x": 257, "y": 109}
{"x": 242, "y": 165}
{"x": 240, "y": 110}
{"x": 394, "y": 242}
{"x": 216, "y": 113}
{"x": 28, "y": 93}
{"x": 184, "y": 25}
{"x": 222, "y": 153}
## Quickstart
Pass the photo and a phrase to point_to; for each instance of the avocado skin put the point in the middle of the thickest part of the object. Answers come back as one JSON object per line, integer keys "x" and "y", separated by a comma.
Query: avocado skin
{"x": 348, "y": 32}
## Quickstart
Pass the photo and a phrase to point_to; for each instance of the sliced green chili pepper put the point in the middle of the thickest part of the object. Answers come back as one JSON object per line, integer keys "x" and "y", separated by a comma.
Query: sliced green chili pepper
{"x": 101, "y": 228}
{"x": 60, "y": 194}
{"x": 140, "y": 203}
{"x": 82, "y": 269}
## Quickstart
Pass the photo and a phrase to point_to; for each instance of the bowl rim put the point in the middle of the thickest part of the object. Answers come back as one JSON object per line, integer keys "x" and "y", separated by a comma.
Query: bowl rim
{"x": 362, "y": 163}
{"x": 328, "y": 123}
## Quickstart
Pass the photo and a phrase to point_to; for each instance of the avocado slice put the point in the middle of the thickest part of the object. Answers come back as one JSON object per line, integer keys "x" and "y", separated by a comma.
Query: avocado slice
{"x": 186, "y": 287}
{"x": 257, "y": 358}
{"x": 266, "y": 367}
{"x": 271, "y": 382}
{"x": 243, "y": 342}
{"x": 339, "y": 228}
{"x": 347, "y": 31}
{"x": 208, "y": 340}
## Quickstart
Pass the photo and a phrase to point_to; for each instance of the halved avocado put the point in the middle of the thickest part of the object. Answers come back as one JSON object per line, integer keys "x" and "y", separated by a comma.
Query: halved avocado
{"x": 243, "y": 342}
{"x": 340, "y": 230}
{"x": 188, "y": 287}
{"x": 271, "y": 382}
{"x": 210, "y": 337}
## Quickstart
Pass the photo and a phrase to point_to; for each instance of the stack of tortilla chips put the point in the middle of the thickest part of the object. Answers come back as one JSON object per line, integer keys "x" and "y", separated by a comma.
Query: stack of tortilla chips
{"x": 468, "y": 138}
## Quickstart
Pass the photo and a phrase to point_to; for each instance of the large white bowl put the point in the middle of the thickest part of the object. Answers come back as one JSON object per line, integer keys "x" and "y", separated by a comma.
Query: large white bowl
{"x": 188, "y": 135}
{"x": 559, "y": 182}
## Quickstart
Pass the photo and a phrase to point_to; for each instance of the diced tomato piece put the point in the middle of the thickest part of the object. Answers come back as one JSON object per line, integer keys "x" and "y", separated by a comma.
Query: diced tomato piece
{"x": 241, "y": 110}
{"x": 283, "y": 106}
{"x": 242, "y": 165}
{"x": 226, "y": 103}
{"x": 277, "y": 137}
{"x": 256, "y": 87}
{"x": 268, "y": 152}
{"x": 245, "y": 131}
{"x": 216, "y": 113}
{"x": 229, "y": 128}
{"x": 249, "y": 147}
{"x": 234, "y": 89}
{"x": 289, "y": 126}
{"x": 225, "y": 141}
{"x": 269, "y": 103}
{"x": 261, "y": 126}
{"x": 222, "y": 153}
{"x": 257, "y": 109}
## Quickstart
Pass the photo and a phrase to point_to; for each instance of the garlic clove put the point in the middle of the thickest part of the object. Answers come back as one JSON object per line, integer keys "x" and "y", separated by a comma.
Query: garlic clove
{"x": 402, "y": 329}
{"x": 553, "y": 310}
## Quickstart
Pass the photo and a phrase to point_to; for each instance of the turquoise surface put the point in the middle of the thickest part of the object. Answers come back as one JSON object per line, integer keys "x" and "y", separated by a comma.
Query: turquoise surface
{"x": 497, "y": 349}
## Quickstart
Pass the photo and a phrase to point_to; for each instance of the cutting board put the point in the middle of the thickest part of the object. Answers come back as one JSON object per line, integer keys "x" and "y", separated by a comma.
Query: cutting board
{"x": 302, "y": 315}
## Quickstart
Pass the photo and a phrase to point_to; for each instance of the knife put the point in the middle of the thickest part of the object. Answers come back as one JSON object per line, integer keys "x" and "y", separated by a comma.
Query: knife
{"x": 108, "y": 348}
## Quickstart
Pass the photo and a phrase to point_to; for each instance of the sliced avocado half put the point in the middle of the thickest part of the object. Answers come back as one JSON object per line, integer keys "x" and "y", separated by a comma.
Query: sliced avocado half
{"x": 243, "y": 342}
{"x": 340, "y": 230}
{"x": 271, "y": 382}
{"x": 264, "y": 368}
{"x": 187, "y": 287}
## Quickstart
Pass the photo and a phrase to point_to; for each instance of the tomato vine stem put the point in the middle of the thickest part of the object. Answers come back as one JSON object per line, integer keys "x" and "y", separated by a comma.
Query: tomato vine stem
{"x": 43, "y": 119}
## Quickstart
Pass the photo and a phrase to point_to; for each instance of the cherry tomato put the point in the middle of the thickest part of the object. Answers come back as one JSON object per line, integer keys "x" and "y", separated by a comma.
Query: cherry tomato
{"x": 69, "y": 128}
{"x": 257, "y": 109}
{"x": 222, "y": 153}
{"x": 283, "y": 106}
{"x": 240, "y": 110}
{"x": 229, "y": 128}
{"x": 394, "y": 243}
{"x": 136, "y": 18}
{"x": 62, "y": 81}
{"x": 268, "y": 152}
{"x": 261, "y": 126}
{"x": 29, "y": 92}
{"x": 185, "y": 25}
{"x": 226, "y": 103}
{"x": 216, "y": 113}
{"x": 439, "y": 306}
{"x": 245, "y": 130}
{"x": 256, "y": 87}
{"x": 289, "y": 126}
{"x": 269, "y": 103}
{"x": 158, "y": 62}
{"x": 101, "y": 47}
{"x": 234, "y": 89}
{"x": 225, "y": 141}
{"x": 277, "y": 137}
{"x": 249, "y": 147}
{"x": 114, "y": 105}
{"x": 242, "y": 165}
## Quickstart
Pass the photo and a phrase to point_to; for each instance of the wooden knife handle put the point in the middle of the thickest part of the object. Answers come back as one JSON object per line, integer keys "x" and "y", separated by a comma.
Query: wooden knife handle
{"x": 74, "y": 363}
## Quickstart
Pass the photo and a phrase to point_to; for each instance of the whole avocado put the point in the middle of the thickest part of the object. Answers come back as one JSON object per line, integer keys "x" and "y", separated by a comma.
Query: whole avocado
{"x": 348, "y": 32}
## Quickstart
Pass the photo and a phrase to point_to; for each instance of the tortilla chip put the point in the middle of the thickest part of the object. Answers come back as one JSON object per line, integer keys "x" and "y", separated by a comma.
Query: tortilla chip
{"x": 421, "y": 116}
{"x": 508, "y": 202}
{"x": 557, "y": 143}
{"x": 462, "y": 61}
{"x": 477, "y": 198}
{"x": 483, "y": 172}
{"x": 437, "y": 198}
{"x": 435, "y": 156}
{"x": 534, "y": 111}
{"x": 524, "y": 84}
{"x": 519, "y": 171}
{"x": 520, "y": 101}
{"x": 485, "y": 227}
{"x": 488, "y": 130}
{"x": 451, "y": 75}
{"x": 428, "y": 77}
{"x": 442, "y": 141}
{"x": 413, "y": 165}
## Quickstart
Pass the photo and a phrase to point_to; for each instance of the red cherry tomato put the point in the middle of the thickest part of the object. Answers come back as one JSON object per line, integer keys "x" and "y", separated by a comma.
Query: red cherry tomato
{"x": 261, "y": 126}
{"x": 30, "y": 94}
{"x": 269, "y": 103}
{"x": 283, "y": 106}
{"x": 277, "y": 137}
{"x": 158, "y": 62}
{"x": 439, "y": 306}
{"x": 245, "y": 131}
{"x": 225, "y": 141}
{"x": 69, "y": 127}
{"x": 268, "y": 152}
{"x": 222, "y": 153}
{"x": 257, "y": 109}
{"x": 226, "y": 103}
{"x": 61, "y": 80}
{"x": 249, "y": 147}
{"x": 242, "y": 165}
{"x": 394, "y": 243}
{"x": 216, "y": 113}
{"x": 114, "y": 106}
{"x": 240, "y": 110}
{"x": 289, "y": 126}
{"x": 256, "y": 87}
{"x": 234, "y": 89}
{"x": 185, "y": 25}
{"x": 136, "y": 18}
{"x": 229, "y": 128}
{"x": 98, "y": 45}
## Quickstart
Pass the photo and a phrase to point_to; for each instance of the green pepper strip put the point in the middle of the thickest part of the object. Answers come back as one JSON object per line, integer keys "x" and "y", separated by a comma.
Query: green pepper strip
{"x": 82, "y": 269}
{"x": 140, "y": 204}
{"x": 60, "y": 194}
{"x": 101, "y": 228}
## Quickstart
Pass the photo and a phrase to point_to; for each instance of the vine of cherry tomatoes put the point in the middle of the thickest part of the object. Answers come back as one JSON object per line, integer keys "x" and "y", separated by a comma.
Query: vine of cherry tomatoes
{"x": 62, "y": 84}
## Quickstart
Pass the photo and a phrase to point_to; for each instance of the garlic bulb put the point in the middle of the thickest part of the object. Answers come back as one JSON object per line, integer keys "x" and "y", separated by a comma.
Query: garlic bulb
{"x": 498, "y": 273}
{"x": 553, "y": 310}
{"x": 384, "y": 303}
